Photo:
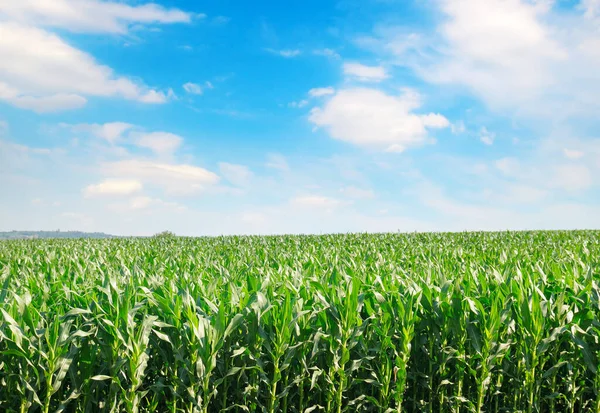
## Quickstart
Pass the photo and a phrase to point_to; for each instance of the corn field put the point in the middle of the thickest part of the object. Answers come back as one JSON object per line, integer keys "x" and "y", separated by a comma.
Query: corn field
{"x": 470, "y": 322}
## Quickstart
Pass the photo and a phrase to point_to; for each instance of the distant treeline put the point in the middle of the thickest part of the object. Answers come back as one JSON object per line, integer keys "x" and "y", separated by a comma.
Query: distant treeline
{"x": 52, "y": 234}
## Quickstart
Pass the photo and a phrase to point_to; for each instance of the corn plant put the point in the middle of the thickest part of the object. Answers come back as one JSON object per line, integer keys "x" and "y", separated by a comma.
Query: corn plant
{"x": 477, "y": 322}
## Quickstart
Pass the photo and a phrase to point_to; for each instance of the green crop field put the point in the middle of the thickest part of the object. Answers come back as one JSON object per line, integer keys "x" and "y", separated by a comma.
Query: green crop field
{"x": 473, "y": 322}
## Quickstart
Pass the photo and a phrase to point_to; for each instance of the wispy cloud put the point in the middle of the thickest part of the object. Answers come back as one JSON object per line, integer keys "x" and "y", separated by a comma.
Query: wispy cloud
{"x": 365, "y": 73}
{"x": 93, "y": 16}
{"x": 327, "y": 53}
{"x": 321, "y": 91}
{"x": 193, "y": 88}
{"x": 286, "y": 53}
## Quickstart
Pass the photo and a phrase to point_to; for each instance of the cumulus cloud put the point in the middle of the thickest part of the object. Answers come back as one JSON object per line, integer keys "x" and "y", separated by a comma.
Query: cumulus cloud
{"x": 365, "y": 73}
{"x": 371, "y": 118}
{"x": 111, "y": 187}
{"x": 497, "y": 46}
{"x": 41, "y": 72}
{"x": 521, "y": 56}
{"x": 93, "y": 16}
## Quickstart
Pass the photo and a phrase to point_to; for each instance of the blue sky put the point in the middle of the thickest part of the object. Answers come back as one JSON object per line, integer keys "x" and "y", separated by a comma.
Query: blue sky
{"x": 235, "y": 117}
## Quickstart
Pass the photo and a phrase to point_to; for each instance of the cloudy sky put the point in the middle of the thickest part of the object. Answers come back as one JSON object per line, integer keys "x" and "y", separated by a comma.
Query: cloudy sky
{"x": 299, "y": 116}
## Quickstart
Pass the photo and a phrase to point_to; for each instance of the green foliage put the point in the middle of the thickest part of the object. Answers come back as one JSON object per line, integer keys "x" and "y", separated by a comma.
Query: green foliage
{"x": 164, "y": 234}
{"x": 470, "y": 322}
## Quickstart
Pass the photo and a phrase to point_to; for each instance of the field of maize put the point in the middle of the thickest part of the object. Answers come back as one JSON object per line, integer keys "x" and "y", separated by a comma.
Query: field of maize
{"x": 466, "y": 322}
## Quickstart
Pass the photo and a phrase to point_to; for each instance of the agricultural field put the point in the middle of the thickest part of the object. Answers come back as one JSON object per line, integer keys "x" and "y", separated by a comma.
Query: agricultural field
{"x": 466, "y": 322}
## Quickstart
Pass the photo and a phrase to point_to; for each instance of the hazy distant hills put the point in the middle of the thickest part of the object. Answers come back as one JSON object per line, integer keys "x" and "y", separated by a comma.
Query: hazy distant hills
{"x": 52, "y": 234}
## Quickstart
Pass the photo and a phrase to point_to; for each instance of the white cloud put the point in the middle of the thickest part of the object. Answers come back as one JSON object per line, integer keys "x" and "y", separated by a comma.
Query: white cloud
{"x": 435, "y": 120}
{"x": 111, "y": 132}
{"x": 45, "y": 104}
{"x": 93, "y": 16}
{"x": 573, "y": 154}
{"x": 497, "y": 46}
{"x": 287, "y": 53}
{"x": 365, "y": 73}
{"x": 161, "y": 143}
{"x": 112, "y": 187}
{"x": 370, "y": 118}
{"x": 520, "y": 56}
{"x": 193, "y": 88}
{"x": 41, "y": 72}
{"x": 486, "y": 136}
{"x": 321, "y": 91}
{"x": 153, "y": 96}
{"x": 358, "y": 193}
{"x": 238, "y": 175}
{"x": 277, "y": 161}
{"x": 173, "y": 178}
